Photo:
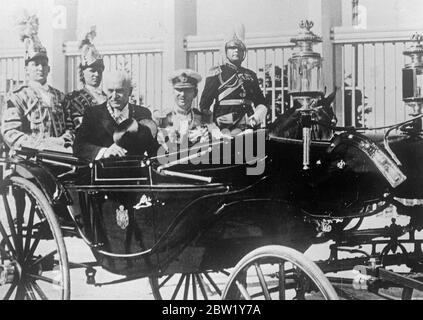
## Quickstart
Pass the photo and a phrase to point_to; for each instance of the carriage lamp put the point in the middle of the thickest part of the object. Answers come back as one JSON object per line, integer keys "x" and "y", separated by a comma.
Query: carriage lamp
{"x": 306, "y": 81}
{"x": 412, "y": 79}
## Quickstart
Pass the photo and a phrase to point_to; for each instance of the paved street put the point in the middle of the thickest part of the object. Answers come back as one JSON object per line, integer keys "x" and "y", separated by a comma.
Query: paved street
{"x": 140, "y": 289}
{"x": 79, "y": 252}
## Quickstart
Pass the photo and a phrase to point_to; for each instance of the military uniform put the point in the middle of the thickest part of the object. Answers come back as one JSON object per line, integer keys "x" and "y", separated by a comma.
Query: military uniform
{"x": 33, "y": 114}
{"x": 231, "y": 90}
{"x": 175, "y": 124}
{"x": 184, "y": 123}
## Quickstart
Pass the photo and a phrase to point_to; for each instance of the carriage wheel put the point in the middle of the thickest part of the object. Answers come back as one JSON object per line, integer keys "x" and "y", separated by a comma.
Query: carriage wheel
{"x": 192, "y": 286}
{"x": 33, "y": 258}
{"x": 276, "y": 272}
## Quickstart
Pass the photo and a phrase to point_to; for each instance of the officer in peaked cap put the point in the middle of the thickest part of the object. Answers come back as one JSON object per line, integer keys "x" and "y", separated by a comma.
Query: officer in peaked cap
{"x": 183, "y": 120}
{"x": 232, "y": 91}
{"x": 34, "y": 115}
{"x": 91, "y": 71}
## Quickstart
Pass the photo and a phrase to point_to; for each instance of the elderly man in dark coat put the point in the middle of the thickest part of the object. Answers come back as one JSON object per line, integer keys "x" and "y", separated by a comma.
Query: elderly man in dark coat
{"x": 96, "y": 137}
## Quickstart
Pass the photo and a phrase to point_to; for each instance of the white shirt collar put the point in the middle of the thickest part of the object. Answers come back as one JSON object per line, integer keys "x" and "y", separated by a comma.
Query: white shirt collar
{"x": 125, "y": 110}
{"x": 119, "y": 115}
{"x": 35, "y": 84}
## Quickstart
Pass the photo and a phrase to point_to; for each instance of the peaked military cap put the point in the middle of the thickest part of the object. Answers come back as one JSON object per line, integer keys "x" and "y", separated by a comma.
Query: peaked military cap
{"x": 185, "y": 79}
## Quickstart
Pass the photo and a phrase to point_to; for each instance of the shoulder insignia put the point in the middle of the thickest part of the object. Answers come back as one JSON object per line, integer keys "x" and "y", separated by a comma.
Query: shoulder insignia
{"x": 214, "y": 71}
{"x": 248, "y": 71}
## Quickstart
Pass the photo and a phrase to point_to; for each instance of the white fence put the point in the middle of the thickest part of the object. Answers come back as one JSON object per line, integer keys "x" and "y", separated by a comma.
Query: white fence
{"x": 369, "y": 70}
{"x": 370, "y": 76}
{"x": 143, "y": 59}
{"x": 12, "y": 73}
{"x": 12, "y": 70}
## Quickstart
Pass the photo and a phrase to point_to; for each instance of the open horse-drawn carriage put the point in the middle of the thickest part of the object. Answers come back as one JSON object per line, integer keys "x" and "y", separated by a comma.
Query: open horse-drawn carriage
{"x": 199, "y": 221}
{"x": 144, "y": 219}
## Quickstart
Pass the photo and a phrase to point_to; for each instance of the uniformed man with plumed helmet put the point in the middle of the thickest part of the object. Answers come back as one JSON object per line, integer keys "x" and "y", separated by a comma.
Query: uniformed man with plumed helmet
{"x": 34, "y": 114}
{"x": 91, "y": 74}
{"x": 231, "y": 91}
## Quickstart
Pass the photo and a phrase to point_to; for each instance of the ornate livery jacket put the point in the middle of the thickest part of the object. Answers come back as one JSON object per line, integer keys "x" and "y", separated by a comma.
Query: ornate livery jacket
{"x": 33, "y": 114}
{"x": 76, "y": 103}
{"x": 231, "y": 89}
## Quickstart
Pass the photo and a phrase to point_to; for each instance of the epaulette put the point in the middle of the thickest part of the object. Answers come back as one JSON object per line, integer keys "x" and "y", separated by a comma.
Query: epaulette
{"x": 245, "y": 70}
{"x": 214, "y": 71}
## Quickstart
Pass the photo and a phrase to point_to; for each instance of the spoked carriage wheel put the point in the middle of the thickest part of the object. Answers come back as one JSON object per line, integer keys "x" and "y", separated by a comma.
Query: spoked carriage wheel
{"x": 33, "y": 258}
{"x": 190, "y": 286}
{"x": 278, "y": 273}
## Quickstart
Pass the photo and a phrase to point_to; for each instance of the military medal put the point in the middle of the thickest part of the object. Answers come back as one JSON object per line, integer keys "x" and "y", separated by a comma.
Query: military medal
{"x": 122, "y": 217}
{"x": 243, "y": 93}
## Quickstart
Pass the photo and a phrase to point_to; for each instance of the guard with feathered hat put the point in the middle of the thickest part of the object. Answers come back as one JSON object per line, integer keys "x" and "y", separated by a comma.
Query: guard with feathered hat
{"x": 91, "y": 71}
{"x": 231, "y": 91}
{"x": 34, "y": 114}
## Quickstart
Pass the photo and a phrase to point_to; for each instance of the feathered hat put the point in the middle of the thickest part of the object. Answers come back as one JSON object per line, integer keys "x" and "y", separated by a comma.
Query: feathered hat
{"x": 28, "y": 33}
{"x": 89, "y": 54}
{"x": 236, "y": 36}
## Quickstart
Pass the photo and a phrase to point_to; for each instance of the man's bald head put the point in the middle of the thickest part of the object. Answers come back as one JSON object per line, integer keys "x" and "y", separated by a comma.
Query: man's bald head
{"x": 118, "y": 86}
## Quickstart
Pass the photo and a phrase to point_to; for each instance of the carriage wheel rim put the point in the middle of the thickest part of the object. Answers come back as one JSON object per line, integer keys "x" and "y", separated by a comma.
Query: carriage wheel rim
{"x": 30, "y": 270}
{"x": 325, "y": 288}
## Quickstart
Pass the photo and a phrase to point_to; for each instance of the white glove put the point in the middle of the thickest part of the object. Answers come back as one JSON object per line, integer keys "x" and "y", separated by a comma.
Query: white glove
{"x": 259, "y": 116}
{"x": 225, "y": 119}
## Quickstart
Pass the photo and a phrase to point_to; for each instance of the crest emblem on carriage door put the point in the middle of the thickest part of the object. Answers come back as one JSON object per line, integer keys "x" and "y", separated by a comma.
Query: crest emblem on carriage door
{"x": 144, "y": 202}
{"x": 122, "y": 217}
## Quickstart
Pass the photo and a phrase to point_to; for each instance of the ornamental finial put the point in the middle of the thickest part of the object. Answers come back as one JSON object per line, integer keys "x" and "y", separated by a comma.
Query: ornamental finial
{"x": 306, "y": 24}
{"x": 417, "y": 37}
